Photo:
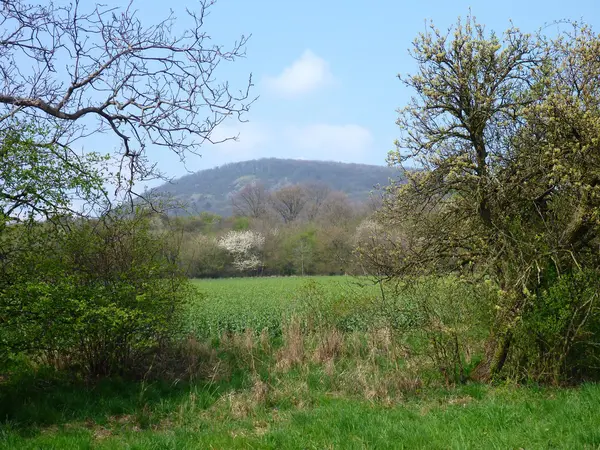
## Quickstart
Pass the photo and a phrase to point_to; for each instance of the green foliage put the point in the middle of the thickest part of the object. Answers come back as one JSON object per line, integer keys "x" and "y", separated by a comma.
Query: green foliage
{"x": 446, "y": 318}
{"x": 326, "y": 303}
{"x": 234, "y": 305}
{"x": 301, "y": 248}
{"x": 351, "y": 379}
{"x": 205, "y": 223}
{"x": 202, "y": 257}
{"x": 42, "y": 180}
{"x": 113, "y": 414}
{"x": 559, "y": 331}
{"x": 451, "y": 315}
{"x": 361, "y": 394}
{"x": 98, "y": 297}
{"x": 240, "y": 224}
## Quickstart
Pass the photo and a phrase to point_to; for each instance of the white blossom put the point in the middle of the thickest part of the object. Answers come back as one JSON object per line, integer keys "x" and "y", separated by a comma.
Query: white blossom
{"x": 368, "y": 231}
{"x": 245, "y": 247}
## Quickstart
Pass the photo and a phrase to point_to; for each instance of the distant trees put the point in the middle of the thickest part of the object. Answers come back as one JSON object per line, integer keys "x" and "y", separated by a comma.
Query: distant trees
{"x": 201, "y": 256}
{"x": 335, "y": 249}
{"x": 251, "y": 201}
{"x": 313, "y": 233}
{"x": 337, "y": 209}
{"x": 302, "y": 246}
{"x": 298, "y": 202}
{"x": 215, "y": 184}
{"x": 289, "y": 201}
{"x": 316, "y": 194}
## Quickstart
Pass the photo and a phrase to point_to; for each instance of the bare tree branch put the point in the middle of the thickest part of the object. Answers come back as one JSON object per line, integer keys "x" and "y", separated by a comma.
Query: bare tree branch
{"x": 147, "y": 84}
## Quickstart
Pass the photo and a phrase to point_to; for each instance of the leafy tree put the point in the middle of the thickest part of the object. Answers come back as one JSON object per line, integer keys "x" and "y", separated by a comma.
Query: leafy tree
{"x": 334, "y": 249}
{"x": 202, "y": 256}
{"x": 303, "y": 249}
{"x": 506, "y": 132}
{"x": 42, "y": 180}
{"x": 101, "y": 297}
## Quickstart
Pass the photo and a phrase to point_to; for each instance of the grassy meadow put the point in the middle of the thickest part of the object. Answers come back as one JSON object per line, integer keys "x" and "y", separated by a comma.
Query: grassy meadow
{"x": 321, "y": 362}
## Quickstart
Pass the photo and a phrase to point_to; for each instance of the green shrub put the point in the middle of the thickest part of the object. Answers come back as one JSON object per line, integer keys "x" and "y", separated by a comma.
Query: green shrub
{"x": 558, "y": 337}
{"x": 98, "y": 297}
{"x": 447, "y": 318}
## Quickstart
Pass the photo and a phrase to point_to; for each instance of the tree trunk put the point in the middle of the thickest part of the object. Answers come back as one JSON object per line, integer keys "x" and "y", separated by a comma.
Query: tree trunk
{"x": 495, "y": 357}
{"x": 499, "y": 343}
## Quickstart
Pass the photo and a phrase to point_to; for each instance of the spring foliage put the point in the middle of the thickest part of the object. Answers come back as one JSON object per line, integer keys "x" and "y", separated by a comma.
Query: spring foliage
{"x": 506, "y": 130}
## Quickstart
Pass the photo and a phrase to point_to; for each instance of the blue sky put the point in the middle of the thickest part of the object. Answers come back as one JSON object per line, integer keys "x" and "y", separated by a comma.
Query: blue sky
{"x": 326, "y": 70}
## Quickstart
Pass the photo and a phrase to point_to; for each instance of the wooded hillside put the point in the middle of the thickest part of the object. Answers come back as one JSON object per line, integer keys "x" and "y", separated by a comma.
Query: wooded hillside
{"x": 211, "y": 190}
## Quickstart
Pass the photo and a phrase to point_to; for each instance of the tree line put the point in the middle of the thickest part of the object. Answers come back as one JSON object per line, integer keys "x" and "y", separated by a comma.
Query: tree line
{"x": 301, "y": 229}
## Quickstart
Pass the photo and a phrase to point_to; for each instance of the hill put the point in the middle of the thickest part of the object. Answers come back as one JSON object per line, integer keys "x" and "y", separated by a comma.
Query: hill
{"x": 211, "y": 189}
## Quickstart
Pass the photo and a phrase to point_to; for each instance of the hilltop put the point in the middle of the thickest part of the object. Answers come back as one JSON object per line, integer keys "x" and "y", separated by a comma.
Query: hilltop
{"x": 210, "y": 190}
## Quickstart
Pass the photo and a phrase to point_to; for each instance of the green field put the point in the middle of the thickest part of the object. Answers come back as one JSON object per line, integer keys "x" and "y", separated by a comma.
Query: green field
{"x": 293, "y": 363}
{"x": 236, "y": 304}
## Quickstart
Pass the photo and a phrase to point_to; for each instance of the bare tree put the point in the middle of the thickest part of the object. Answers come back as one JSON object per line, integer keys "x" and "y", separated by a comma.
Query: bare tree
{"x": 374, "y": 202}
{"x": 79, "y": 71}
{"x": 288, "y": 202}
{"x": 337, "y": 209}
{"x": 251, "y": 201}
{"x": 316, "y": 194}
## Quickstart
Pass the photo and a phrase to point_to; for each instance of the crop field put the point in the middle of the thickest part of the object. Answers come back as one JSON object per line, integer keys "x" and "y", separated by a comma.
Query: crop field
{"x": 237, "y": 304}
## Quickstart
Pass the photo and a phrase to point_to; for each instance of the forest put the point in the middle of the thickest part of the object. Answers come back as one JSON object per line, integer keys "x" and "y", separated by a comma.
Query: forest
{"x": 301, "y": 229}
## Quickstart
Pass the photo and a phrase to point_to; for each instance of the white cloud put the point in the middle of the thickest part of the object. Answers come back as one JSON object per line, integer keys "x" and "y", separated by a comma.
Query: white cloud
{"x": 326, "y": 141}
{"x": 251, "y": 136}
{"x": 318, "y": 141}
{"x": 306, "y": 74}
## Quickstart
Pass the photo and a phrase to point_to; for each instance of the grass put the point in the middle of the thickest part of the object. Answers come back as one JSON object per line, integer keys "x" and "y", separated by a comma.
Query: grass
{"x": 319, "y": 371}
{"x": 111, "y": 416}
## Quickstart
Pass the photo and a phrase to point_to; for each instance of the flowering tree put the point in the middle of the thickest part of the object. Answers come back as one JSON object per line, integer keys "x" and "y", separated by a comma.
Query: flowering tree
{"x": 505, "y": 131}
{"x": 245, "y": 247}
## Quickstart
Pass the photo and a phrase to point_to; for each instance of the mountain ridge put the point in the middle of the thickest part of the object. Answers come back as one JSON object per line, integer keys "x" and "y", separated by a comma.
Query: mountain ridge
{"x": 210, "y": 190}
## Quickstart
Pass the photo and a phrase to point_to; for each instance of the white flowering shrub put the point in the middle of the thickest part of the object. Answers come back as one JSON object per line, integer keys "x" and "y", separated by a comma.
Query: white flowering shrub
{"x": 368, "y": 231}
{"x": 245, "y": 247}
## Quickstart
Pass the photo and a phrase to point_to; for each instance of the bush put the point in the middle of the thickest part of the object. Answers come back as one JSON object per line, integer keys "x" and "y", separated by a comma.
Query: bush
{"x": 99, "y": 297}
{"x": 558, "y": 337}
{"x": 202, "y": 257}
{"x": 450, "y": 315}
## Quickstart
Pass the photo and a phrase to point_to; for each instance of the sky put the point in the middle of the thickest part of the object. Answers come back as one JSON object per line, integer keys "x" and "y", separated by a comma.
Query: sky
{"x": 326, "y": 71}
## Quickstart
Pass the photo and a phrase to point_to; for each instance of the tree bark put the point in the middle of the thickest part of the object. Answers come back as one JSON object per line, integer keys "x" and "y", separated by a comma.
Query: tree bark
{"x": 496, "y": 353}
